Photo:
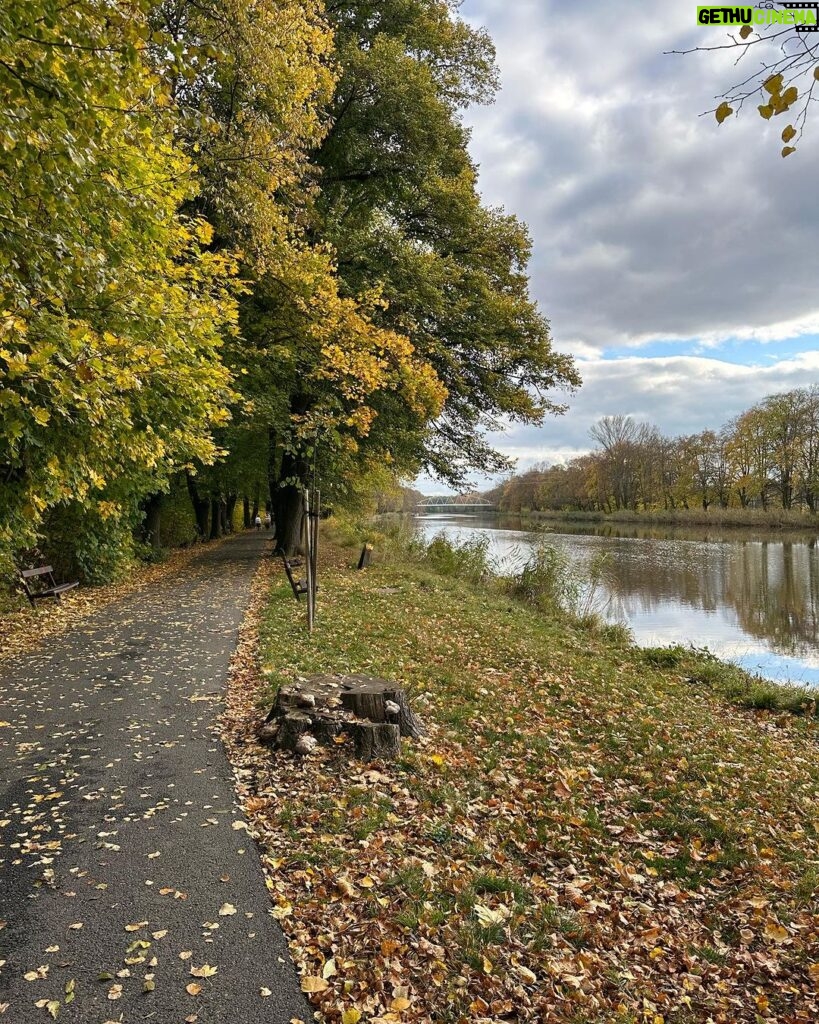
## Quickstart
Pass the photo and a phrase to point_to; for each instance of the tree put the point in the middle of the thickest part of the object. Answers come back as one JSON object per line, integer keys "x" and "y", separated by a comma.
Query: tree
{"x": 113, "y": 304}
{"x": 398, "y": 202}
{"x": 312, "y": 361}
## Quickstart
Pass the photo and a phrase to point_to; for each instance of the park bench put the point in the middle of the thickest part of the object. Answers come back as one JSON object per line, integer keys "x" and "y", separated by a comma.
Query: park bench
{"x": 299, "y": 587}
{"x": 37, "y": 588}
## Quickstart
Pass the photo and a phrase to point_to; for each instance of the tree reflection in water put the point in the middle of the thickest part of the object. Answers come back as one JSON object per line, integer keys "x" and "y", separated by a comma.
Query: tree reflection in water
{"x": 713, "y": 588}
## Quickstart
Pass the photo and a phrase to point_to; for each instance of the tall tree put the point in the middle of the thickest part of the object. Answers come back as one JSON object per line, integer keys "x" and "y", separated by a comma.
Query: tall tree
{"x": 113, "y": 307}
{"x": 399, "y": 204}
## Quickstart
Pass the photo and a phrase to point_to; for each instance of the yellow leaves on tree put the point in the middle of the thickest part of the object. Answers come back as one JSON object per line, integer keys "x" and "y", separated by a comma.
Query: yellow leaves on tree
{"x": 111, "y": 313}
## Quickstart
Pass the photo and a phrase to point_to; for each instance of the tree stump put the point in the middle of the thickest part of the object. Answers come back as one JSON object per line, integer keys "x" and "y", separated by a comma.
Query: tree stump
{"x": 374, "y": 713}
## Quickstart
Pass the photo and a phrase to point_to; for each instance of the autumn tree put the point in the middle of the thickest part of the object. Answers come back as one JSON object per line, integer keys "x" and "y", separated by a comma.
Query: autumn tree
{"x": 311, "y": 361}
{"x": 399, "y": 204}
{"x": 113, "y": 304}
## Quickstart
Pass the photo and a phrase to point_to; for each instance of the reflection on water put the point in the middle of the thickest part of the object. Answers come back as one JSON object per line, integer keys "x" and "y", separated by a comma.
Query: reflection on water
{"x": 749, "y": 597}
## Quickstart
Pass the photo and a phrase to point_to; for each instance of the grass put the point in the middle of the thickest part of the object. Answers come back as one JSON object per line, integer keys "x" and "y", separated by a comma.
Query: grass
{"x": 638, "y": 819}
{"x": 749, "y": 518}
{"x": 700, "y": 668}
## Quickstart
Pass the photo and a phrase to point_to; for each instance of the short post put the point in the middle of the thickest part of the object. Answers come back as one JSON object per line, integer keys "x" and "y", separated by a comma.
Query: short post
{"x": 366, "y": 556}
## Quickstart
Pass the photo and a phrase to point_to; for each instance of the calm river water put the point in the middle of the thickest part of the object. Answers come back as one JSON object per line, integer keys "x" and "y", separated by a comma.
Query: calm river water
{"x": 749, "y": 598}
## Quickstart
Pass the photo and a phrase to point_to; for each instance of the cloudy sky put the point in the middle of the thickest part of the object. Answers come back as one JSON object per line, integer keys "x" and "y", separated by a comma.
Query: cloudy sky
{"x": 675, "y": 259}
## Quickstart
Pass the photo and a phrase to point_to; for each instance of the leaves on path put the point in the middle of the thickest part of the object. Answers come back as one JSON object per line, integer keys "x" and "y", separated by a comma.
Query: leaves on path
{"x": 581, "y": 837}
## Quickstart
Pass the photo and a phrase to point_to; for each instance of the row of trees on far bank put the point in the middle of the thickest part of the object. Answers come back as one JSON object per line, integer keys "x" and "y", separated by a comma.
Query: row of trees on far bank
{"x": 767, "y": 457}
{"x": 243, "y": 245}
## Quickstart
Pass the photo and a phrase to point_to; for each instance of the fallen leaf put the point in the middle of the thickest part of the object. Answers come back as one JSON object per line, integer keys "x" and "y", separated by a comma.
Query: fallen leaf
{"x": 205, "y": 971}
{"x": 313, "y": 984}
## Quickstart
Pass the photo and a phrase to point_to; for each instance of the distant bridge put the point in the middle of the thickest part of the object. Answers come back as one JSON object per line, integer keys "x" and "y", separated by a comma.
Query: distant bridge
{"x": 446, "y": 503}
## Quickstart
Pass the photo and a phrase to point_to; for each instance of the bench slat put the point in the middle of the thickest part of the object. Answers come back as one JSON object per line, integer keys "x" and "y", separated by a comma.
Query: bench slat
{"x": 41, "y": 571}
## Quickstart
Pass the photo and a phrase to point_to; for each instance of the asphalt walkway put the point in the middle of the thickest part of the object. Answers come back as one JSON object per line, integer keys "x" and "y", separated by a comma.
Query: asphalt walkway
{"x": 129, "y": 889}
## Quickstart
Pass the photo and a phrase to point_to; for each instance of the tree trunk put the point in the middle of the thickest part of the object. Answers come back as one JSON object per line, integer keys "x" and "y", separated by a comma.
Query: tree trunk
{"x": 288, "y": 504}
{"x": 374, "y": 713}
{"x": 376, "y": 741}
{"x": 246, "y": 512}
{"x": 151, "y": 527}
{"x": 215, "y": 519}
{"x": 201, "y": 507}
{"x": 230, "y": 508}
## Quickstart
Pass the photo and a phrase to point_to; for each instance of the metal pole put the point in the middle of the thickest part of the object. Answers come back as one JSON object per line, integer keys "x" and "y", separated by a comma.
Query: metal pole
{"x": 308, "y": 560}
{"x": 316, "y": 519}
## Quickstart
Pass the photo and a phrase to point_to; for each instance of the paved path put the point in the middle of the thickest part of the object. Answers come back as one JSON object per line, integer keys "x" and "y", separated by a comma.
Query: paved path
{"x": 117, "y": 845}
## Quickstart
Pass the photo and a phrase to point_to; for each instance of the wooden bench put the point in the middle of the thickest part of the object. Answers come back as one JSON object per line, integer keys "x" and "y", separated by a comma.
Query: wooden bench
{"x": 52, "y": 589}
{"x": 299, "y": 587}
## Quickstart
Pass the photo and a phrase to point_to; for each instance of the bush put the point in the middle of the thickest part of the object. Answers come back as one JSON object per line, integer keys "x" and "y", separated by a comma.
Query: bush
{"x": 468, "y": 560}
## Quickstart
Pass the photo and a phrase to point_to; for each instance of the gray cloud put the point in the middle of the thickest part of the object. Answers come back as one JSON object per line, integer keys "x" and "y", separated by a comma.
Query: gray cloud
{"x": 649, "y": 221}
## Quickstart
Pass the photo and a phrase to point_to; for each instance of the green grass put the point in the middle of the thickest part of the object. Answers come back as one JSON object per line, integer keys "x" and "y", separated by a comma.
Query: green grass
{"x": 699, "y": 668}
{"x": 597, "y": 791}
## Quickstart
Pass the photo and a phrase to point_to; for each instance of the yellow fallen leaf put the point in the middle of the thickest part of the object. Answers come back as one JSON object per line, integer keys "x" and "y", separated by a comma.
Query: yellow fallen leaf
{"x": 193, "y": 989}
{"x": 367, "y": 883}
{"x": 313, "y": 984}
{"x": 226, "y": 910}
{"x": 329, "y": 969}
{"x": 775, "y": 932}
{"x": 400, "y": 1004}
{"x": 351, "y": 1016}
{"x": 136, "y": 927}
{"x": 205, "y": 971}
{"x": 115, "y": 992}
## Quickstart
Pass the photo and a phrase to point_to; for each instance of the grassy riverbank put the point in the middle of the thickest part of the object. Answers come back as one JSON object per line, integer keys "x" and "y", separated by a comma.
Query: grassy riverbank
{"x": 749, "y": 519}
{"x": 589, "y": 833}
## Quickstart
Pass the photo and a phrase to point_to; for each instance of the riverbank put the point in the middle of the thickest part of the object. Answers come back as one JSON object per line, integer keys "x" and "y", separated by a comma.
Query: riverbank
{"x": 589, "y": 832}
{"x": 749, "y": 519}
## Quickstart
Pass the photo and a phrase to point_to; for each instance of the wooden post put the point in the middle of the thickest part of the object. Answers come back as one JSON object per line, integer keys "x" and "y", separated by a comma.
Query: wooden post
{"x": 366, "y": 555}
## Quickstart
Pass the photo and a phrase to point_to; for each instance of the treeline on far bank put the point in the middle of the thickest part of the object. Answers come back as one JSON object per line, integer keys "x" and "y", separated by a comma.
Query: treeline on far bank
{"x": 765, "y": 460}
{"x": 243, "y": 251}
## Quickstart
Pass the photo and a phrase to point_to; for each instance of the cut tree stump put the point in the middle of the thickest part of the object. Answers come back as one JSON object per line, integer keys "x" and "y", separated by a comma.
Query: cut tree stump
{"x": 374, "y": 713}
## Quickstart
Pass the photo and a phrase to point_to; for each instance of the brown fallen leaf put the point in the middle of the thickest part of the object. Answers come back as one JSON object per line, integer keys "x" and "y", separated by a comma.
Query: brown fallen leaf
{"x": 193, "y": 989}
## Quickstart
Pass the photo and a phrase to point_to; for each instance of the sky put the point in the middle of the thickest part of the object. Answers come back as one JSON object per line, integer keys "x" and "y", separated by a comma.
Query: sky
{"x": 675, "y": 258}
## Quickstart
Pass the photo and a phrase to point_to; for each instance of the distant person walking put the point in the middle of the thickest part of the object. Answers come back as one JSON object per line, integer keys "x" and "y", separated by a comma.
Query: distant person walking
{"x": 258, "y": 522}
{"x": 267, "y": 520}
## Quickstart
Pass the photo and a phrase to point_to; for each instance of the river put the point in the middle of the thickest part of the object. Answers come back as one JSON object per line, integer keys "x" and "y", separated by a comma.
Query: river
{"x": 750, "y": 598}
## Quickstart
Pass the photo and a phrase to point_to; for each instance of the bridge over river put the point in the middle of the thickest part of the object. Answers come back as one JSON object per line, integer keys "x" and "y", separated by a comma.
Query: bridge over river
{"x": 448, "y": 503}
